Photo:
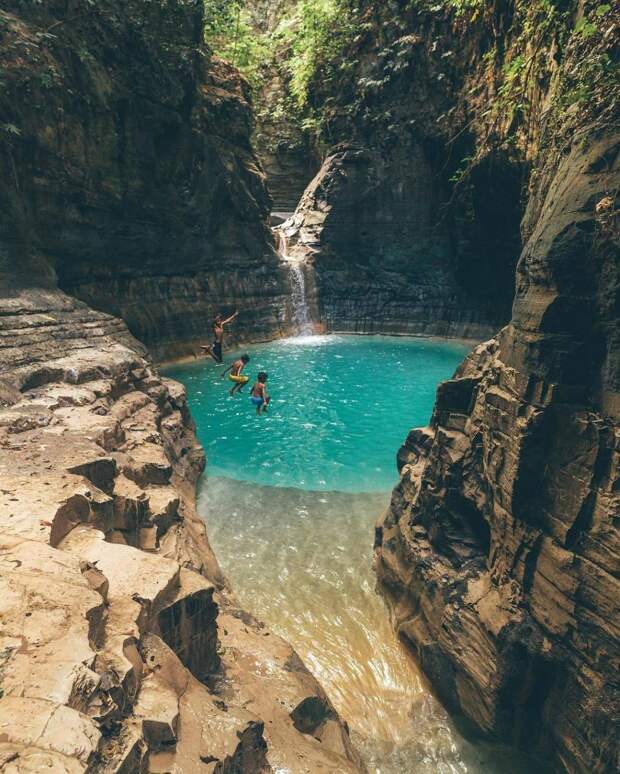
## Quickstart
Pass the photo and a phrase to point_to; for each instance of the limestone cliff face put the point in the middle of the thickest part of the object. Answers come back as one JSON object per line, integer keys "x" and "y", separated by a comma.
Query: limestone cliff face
{"x": 127, "y": 169}
{"x": 499, "y": 552}
{"x": 122, "y": 648}
{"x": 128, "y": 180}
{"x": 412, "y": 224}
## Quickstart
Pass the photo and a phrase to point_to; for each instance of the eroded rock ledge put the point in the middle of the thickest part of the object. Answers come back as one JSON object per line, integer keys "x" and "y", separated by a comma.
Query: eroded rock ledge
{"x": 500, "y": 550}
{"x": 121, "y": 647}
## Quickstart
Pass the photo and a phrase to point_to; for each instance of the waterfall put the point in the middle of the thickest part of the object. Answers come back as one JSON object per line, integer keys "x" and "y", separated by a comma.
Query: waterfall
{"x": 301, "y": 316}
{"x": 299, "y": 302}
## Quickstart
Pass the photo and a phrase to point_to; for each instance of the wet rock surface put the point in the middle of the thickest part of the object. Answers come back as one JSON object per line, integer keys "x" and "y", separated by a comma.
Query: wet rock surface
{"x": 123, "y": 649}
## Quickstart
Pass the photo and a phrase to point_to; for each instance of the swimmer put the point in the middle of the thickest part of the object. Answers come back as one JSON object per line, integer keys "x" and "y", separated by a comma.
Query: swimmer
{"x": 236, "y": 375}
{"x": 258, "y": 393}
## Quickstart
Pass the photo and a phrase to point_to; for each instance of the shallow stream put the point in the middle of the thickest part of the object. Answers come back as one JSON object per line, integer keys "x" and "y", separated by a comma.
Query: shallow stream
{"x": 290, "y": 501}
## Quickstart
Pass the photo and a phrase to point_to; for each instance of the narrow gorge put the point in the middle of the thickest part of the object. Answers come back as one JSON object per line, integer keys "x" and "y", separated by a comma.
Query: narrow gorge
{"x": 412, "y": 208}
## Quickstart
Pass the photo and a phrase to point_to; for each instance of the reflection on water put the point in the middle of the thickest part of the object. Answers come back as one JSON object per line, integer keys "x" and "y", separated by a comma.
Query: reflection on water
{"x": 301, "y": 561}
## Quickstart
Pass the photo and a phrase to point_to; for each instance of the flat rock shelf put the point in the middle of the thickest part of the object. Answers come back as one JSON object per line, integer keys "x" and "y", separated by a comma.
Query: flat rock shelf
{"x": 290, "y": 499}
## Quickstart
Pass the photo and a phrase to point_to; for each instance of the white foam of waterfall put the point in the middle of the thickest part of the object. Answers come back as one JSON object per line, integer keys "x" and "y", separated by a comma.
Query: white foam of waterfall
{"x": 302, "y": 319}
{"x": 299, "y": 301}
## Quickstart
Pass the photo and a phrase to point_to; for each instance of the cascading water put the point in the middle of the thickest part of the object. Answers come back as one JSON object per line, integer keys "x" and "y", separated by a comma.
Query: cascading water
{"x": 299, "y": 302}
{"x": 301, "y": 317}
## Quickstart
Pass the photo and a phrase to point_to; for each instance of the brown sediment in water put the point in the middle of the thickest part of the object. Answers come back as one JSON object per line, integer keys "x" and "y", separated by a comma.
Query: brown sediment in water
{"x": 300, "y": 560}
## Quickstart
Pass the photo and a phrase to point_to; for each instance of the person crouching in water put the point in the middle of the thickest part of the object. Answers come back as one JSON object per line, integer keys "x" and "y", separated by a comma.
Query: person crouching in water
{"x": 236, "y": 375}
{"x": 258, "y": 393}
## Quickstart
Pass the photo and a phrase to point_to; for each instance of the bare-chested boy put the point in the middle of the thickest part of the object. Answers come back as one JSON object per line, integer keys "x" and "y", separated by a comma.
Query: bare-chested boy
{"x": 215, "y": 349}
{"x": 258, "y": 393}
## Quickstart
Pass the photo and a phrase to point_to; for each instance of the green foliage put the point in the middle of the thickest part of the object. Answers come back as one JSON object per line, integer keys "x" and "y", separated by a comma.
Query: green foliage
{"x": 229, "y": 31}
{"x": 317, "y": 35}
{"x": 11, "y": 129}
{"x": 541, "y": 25}
{"x": 602, "y": 9}
{"x": 588, "y": 24}
{"x": 463, "y": 6}
{"x": 314, "y": 48}
{"x": 219, "y": 18}
{"x": 463, "y": 169}
{"x": 308, "y": 40}
{"x": 597, "y": 74}
{"x": 585, "y": 27}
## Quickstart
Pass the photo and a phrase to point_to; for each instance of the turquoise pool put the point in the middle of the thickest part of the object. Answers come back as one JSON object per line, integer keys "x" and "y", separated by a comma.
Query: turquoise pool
{"x": 290, "y": 500}
{"x": 341, "y": 407}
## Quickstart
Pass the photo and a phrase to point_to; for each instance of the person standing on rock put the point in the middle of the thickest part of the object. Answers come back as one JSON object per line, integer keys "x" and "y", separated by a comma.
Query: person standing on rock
{"x": 215, "y": 349}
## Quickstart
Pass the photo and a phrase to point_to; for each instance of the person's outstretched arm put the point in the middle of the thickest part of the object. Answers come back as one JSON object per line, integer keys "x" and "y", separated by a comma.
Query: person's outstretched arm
{"x": 229, "y": 319}
{"x": 230, "y": 368}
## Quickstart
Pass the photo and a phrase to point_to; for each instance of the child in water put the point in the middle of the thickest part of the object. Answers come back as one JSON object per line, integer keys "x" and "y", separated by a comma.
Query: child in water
{"x": 236, "y": 376}
{"x": 258, "y": 393}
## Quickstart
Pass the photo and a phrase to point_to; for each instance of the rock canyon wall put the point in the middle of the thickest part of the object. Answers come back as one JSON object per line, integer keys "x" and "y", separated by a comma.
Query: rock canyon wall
{"x": 284, "y": 147}
{"x": 127, "y": 180}
{"x": 123, "y": 649}
{"x": 130, "y": 190}
{"x": 412, "y": 223}
{"x": 499, "y": 552}
{"x": 127, "y": 171}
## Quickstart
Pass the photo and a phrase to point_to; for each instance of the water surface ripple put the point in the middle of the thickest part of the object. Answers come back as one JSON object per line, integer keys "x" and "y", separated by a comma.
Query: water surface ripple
{"x": 290, "y": 503}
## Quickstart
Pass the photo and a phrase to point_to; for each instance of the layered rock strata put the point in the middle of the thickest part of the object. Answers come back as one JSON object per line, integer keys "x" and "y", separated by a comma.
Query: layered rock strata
{"x": 284, "y": 149}
{"x": 375, "y": 255}
{"x": 128, "y": 172}
{"x": 412, "y": 223}
{"x": 282, "y": 144}
{"x": 122, "y": 649}
{"x": 500, "y": 550}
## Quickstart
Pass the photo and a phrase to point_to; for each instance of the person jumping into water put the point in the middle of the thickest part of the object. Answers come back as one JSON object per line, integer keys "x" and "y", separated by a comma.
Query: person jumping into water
{"x": 258, "y": 393}
{"x": 236, "y": 376}
{"x": 215, "y": 349}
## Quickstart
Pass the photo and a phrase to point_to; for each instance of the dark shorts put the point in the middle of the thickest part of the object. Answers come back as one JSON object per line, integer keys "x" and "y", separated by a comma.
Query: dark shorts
{"x": 217, "y": 350}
